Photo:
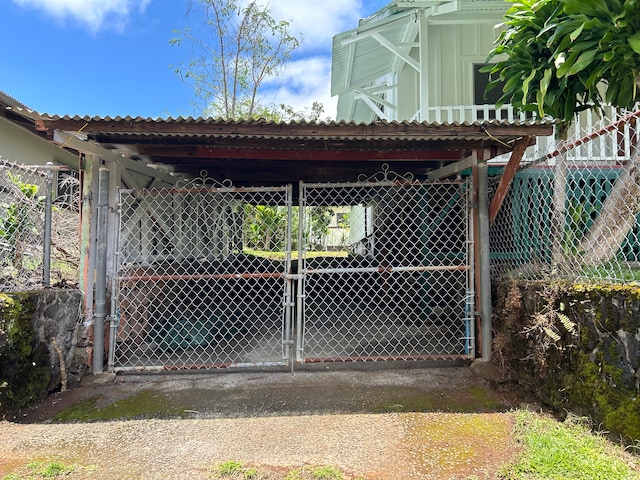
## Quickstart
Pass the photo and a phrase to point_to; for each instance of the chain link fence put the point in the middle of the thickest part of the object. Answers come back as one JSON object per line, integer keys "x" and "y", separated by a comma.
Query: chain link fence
{"x": 202, "y": 278}
{"x": 39, "y": 244}
{"x": 402, "y": 289}
{"x": 208, "y": 278}
{"x": 573, "y": 212}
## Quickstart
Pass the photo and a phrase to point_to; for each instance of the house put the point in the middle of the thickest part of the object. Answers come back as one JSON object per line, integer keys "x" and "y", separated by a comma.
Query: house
{"x": 421, "y": 60}
{"x": 417, "y": 60}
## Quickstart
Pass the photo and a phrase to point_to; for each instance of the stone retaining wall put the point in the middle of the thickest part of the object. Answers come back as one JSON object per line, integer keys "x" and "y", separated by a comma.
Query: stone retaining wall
{"x": 576, "y": 347}
{"x": 29, "y": 363}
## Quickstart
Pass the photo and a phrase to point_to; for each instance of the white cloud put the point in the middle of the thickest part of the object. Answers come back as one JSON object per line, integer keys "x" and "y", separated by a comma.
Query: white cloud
{"x": 306, "y": 78}
{"x": 319, "y": 23}
{"x": 303, "y": 82}
{"x": 93, "y": 14}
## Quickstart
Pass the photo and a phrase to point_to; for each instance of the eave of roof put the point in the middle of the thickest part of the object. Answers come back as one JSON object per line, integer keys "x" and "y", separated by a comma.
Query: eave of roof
{"x": 267, "y": 130}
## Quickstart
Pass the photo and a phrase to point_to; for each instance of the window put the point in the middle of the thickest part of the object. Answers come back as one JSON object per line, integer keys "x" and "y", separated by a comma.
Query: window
{"x": 480, "y": 82}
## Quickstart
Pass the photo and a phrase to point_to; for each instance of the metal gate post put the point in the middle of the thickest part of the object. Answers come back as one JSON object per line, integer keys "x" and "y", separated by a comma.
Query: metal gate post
{"x": 101, "y": 270}
{"x": 485, "y": 274}
{"x": 470, "y": 302}
{"x": 114, "y": 318}
{"x": 46, "y": 273}
{"x": 288, "y": 304}
{"x": 301, "y": 269}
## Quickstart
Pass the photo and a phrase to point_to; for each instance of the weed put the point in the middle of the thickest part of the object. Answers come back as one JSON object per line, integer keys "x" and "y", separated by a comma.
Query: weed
{"x": 251, "y": 473}
{"x": 233, "y": 470}
{"x": 327, "y": 473}
{"x": 38, "y": 469}
{"x": 295, "y": 474}
{"x": 556, "y": 451}
{"x": 229, "y": 467}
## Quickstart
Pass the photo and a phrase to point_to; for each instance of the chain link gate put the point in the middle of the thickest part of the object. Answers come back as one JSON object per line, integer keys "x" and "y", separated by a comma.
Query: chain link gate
{"x": 202, "y": 277}
{"x": 401, "y": 286}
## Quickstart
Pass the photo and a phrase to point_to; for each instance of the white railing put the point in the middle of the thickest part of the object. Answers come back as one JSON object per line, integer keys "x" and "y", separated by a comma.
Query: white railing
{"x": 615, "y": 147}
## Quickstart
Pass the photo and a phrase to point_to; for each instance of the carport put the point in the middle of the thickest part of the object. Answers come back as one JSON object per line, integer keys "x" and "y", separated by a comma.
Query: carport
{"x": 215, "y": 252}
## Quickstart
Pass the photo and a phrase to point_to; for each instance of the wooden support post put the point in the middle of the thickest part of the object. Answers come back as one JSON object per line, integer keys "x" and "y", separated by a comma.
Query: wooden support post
{"x": 507, "y": 177}
{"x": 86, "y": 234}
{"x": 484, "y": 264}
{"x": 481, "y": 252}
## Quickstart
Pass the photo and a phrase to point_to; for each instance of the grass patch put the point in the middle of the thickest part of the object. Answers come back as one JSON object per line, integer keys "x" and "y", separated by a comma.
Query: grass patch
{"x": 554, "y": 450}
{"x": 145, "y": 404}
{"x": 280, "y": 255}
{"x": 38, "y": 469}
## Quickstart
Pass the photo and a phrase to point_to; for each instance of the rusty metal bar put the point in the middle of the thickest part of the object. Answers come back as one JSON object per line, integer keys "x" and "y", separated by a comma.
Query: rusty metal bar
{"x": 384, "y": 358}
{"x": 209, "y": 276}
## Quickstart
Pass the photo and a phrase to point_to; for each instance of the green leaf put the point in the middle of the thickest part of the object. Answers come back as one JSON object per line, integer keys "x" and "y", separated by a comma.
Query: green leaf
{"x": 634, "y": 42}
{"x": 583, "y": 62}
{"x": 565, "y": 68}
{"x": 525, "y": 85}
{"x": 540, "y": 101}
{"x": 545, "y": 82}
{"x": 576, "y": 33}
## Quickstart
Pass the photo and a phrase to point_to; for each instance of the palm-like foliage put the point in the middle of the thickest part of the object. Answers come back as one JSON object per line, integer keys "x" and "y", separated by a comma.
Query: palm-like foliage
{"x": 556, "y": 57}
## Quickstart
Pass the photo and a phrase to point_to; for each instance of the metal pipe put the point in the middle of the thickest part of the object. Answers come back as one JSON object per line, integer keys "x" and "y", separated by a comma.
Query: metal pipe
{"x": 426, "y": 268}
{"x": 205, "y": 189}
{"x": 383, "y": 358}
{"x": 485, "y": 274}
{"x": 46, "y": 251}
{"x": 114, "y": 320}
{"x": 471, "y": 293}
{"x": 301, "y": 273}
{"x": 101, "y": 270}
{"x": 288, "y": 303}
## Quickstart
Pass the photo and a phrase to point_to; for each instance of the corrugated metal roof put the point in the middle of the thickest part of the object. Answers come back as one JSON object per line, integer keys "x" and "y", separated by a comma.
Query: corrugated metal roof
{"x": 262, "y": 121}
{"x": 203, "y": 127}
{"x": 261, "y": 152}
{"x": 8, "y": 102}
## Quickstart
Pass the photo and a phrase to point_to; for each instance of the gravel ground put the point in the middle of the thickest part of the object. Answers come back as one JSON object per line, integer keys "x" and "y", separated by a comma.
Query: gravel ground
{"x": 322, "y": 416}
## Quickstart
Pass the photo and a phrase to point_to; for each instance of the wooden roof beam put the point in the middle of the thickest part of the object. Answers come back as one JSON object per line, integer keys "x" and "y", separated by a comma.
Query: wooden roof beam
{"x": 307, "y": 155}
{"x": 507, "y": 177}
{"x": 452, "y": 168}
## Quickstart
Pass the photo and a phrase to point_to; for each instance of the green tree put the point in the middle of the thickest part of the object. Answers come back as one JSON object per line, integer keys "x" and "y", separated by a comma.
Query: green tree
{"x": 265, "y": 227}
{"x": 235, "y": 48}
{"x": 556, "y": 57}
{"x": 286, "y": 113}
{"x": 319, "y": 221}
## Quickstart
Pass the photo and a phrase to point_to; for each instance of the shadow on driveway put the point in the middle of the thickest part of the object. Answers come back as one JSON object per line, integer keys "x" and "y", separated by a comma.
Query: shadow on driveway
{"x": 315, "y": 389}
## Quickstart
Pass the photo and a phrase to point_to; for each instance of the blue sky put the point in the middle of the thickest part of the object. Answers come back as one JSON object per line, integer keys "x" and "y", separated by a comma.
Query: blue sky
{"x": 112, "y": 57}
